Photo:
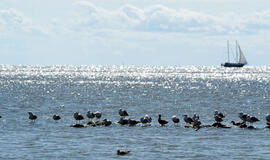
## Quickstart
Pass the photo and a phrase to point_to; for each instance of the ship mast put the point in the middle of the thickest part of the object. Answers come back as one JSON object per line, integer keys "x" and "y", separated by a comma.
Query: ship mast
{"x": 228, "y": 50}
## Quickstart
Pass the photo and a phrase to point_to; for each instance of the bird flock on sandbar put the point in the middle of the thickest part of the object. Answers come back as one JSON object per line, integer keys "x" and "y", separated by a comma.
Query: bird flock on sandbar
{"x": 94, "y": 119}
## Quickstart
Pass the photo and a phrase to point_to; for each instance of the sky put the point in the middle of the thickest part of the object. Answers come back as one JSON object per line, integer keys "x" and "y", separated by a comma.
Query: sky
{"x": 133, "y": 32}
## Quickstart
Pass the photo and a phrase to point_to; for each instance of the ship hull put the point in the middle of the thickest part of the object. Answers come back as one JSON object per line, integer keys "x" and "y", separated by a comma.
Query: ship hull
{"x": 232, "y": 64}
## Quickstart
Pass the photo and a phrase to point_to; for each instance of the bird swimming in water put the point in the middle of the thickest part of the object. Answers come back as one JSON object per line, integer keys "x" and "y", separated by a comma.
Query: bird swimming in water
{"x": 243, "y": 116}
{"x": 252, "y": 119}
{"x": 146, "y": 119}
{"x": 123, "y": 113}
{"x": 32, "y": 117}
{"x": 78, "y": 116}
{"x": 267, "y": 118}
{"x": 132, "y": 122}
{"x": 218, "y": 119}
{"x": 175, "y": 119}
{"x": 98, "y": 114}
{"x": 161, "y": 121}
{"x": 188, "y": 120}
{"x": 121, "y": 153}
{"x": 237, "y": 123}
{"x": 220, "y": 114}
{"x": 123, "y": 121}
{"x": 90, "y": 114}
{"x": 56, "y": 117}
{"x": 107, "y": 122}
{"x": 195, "y": 117}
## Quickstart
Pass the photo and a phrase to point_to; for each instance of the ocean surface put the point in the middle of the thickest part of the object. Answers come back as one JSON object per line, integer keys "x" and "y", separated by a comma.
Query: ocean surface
{"x": 152, "y": 90}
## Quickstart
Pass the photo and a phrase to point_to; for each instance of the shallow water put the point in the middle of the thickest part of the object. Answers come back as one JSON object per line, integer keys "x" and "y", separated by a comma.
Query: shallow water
{"x": 140, "y": 90}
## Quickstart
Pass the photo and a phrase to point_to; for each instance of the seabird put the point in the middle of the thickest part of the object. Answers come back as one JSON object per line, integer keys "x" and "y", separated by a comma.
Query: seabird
{"x": 98, "y": 114}
{"x": 90, "y": 115}
{"x": 78, "y": 116}
{"x": 237, "y": 123}
{"x": 187, "y": 119}
{"x": 267, "y": 118}
{"x": 146, "y": 119}
{"x": 123, "y": 121}
{"x": 220, "y": 114}
{"x": 107, "y": 122}
{"x": 123, "y": 113}
{"x": 32, "y": 116}
{"x": 196, "y": 117}
{"x": 162, "y": 122}
{"x": 252, "y": 119}
{"x": 121, "y": 153}
{"x": 218, "y": 119}
{"x": 175, "y": 119}
{"x": 56, "y": 117}
{"x": 243, "y": 116}
{"x": 133, "y": 122}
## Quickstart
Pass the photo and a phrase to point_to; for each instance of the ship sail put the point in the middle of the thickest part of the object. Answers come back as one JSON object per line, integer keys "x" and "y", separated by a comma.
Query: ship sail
{"x": 242, "y": 58}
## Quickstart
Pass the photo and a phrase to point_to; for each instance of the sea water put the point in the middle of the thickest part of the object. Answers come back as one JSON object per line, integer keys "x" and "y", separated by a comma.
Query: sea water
{"x": 152, "y": 90}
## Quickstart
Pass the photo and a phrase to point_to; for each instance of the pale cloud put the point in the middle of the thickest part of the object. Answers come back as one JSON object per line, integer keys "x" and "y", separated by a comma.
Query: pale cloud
{"x": 14, "y": 22}
{"x": 159, "y": 18}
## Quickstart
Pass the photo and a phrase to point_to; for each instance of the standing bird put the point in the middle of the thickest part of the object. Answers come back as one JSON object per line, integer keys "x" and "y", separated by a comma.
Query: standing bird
{"x": 98, "y": 115}
{"x": 175, "y": 119}
{"x": 56, "y": 117}
{"x": 162, "y": 122}
{"x": 32, "y": 116}
{"x": 220, "y": 114}
{"x": 78, "y": 116}
{"x": 123, "y": 113}
{"x": 121, "y": 153}
{"x": 267, "y": 118}
{"x": 188, "y": 120}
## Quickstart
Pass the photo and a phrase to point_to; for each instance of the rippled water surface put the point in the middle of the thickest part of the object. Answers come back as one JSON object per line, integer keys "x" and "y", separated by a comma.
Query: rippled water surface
{"x": 140, "y": 90}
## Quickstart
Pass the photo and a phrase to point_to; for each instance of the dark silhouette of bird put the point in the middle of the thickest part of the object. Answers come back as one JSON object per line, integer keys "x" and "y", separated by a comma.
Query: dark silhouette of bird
{"x": 188, "y": 120}
{"x": 78, "y": 116}
{"x": 133, "y": 122}
{"x": 218, "y": 119}
{"x": 90, "y": 115}
{"x": 243, "y": 116}
{"x": 121, "y": 153}
{"x": 252, "y": 119}
{"x": 123, "y": 113}
{"x": 237, "y": 123}
{"x": 56, "y": 117}
{"x": 98, "y": 114}
{"x": 146, "y": 119}
{"x": 195, "y": 117}
{"x": 107, "y": 122}
{"x": 175, "y": 119}
{"x": 161, "y": 121}
{"x": 123, "y": 121}
{"x": 32, "y": 117}
{"x": 267, "y": 118}
{"x": 220, "y": 114}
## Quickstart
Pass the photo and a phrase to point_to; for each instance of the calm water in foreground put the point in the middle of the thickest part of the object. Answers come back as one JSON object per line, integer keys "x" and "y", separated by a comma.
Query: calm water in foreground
{"x": 139, "y": 90}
